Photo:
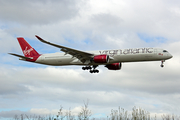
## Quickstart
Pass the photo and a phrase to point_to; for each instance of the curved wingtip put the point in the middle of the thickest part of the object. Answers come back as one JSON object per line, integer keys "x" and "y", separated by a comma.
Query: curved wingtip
{"x": 39, "y": 38}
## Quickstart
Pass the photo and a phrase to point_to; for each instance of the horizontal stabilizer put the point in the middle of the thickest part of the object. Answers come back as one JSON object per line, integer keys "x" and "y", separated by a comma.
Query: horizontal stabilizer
{"x": 19, "y": 56}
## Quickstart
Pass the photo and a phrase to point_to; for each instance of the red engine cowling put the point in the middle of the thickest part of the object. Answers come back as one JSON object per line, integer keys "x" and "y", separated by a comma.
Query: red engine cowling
{"x": 101, "y": 59}
{"x": 114, "y": 66}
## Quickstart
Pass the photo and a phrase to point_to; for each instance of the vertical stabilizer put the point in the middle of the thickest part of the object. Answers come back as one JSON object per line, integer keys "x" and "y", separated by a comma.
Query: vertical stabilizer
{"x": 28, "y": 51}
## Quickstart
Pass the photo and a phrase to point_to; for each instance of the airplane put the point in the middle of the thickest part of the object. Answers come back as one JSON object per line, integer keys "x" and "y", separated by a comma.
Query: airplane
{"x": 90, "y": 60}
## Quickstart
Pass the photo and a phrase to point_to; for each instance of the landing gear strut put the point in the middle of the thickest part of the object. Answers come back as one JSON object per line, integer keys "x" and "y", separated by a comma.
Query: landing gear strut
{"x": 92, "y": 69}
{"x": 162, "y": 63}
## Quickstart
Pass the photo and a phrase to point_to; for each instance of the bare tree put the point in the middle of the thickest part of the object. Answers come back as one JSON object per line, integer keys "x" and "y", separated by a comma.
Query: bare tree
{"x": 170, "y": 117}
{"x": 69, "y": 115}
{"x": 139, "y": 114}
{"x": 16, "y": 117}
{"x": 85, "y": 112}
{"x": 119, "y": 114}
{"x": 60, "y": 114}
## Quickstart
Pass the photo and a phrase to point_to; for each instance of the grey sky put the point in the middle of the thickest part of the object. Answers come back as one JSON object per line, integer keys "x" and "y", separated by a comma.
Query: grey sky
{"x": 89, "y": 25}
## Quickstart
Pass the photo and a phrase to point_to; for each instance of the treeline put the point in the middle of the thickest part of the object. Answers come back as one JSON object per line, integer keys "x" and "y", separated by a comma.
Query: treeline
{"x": 86, "y": 114}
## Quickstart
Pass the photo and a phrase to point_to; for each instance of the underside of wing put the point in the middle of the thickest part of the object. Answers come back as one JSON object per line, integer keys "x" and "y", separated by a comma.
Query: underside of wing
{"x": 81, "y": 55}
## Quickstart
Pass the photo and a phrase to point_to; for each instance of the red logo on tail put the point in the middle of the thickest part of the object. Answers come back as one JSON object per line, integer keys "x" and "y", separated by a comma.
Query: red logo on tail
{"x": 27, "y": 51}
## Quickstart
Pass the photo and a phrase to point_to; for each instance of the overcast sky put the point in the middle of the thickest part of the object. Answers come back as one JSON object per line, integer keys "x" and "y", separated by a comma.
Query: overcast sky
{"x": 89, "y": 25}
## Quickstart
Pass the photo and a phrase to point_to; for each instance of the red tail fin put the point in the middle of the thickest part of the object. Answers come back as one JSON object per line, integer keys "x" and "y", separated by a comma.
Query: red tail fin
{"x": 28, "y": 51}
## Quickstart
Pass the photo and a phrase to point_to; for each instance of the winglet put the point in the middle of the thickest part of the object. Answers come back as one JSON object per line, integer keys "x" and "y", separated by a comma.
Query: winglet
{"x": 39, "y": 38}
{"x": 44, "y": 41}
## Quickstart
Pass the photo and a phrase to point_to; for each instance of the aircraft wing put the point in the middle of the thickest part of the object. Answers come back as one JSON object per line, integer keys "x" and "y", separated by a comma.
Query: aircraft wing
{"x": 81, "y": 55}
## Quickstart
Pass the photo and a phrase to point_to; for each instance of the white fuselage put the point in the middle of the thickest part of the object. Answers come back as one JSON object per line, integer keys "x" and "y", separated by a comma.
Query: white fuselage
{"x": 120, "y": 55}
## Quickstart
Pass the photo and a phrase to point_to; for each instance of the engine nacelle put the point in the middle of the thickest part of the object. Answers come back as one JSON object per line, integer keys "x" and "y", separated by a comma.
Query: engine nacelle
{"x": 114, "y": 66}
{"x": 101, "y": 59}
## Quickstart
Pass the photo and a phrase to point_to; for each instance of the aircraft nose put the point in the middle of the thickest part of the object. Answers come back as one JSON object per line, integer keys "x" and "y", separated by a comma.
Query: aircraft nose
{"x": 170, "y": 56}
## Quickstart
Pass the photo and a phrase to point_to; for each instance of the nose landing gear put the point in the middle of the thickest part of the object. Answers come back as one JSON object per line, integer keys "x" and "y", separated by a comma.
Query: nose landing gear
{"x": 162, "y": 63}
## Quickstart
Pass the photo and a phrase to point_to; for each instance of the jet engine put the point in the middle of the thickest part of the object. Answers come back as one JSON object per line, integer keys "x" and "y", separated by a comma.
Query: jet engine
{"x": 101, "y": 59}
{"x": 114, "y": 66}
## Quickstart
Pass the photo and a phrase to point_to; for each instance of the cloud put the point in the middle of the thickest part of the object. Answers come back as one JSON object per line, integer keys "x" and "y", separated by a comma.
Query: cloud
{"x": 42, "y": 112}
{"x": 105, "y": 21}
{"x": 38, "y": 12}
{"x": 11, "y": 114}
{"x": 89, "y": 26}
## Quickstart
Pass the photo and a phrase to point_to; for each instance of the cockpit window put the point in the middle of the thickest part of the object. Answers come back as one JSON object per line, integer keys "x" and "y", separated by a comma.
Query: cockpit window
{"x": 165, "y": 51}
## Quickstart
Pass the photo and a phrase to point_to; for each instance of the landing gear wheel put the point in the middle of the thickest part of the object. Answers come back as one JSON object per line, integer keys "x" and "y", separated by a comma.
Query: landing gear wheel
{"x": 162, "y": 65}
{"x": 87, "y": 68}
{"x": 94, "y": 71}
{"x": 91, "y": 71}
{"x": 83, "y": 68}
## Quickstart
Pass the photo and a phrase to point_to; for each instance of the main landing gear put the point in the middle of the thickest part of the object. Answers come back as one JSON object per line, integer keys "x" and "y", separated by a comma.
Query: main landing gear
{"x": 91, "y": 69}
{"x": 162, "y": 63}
